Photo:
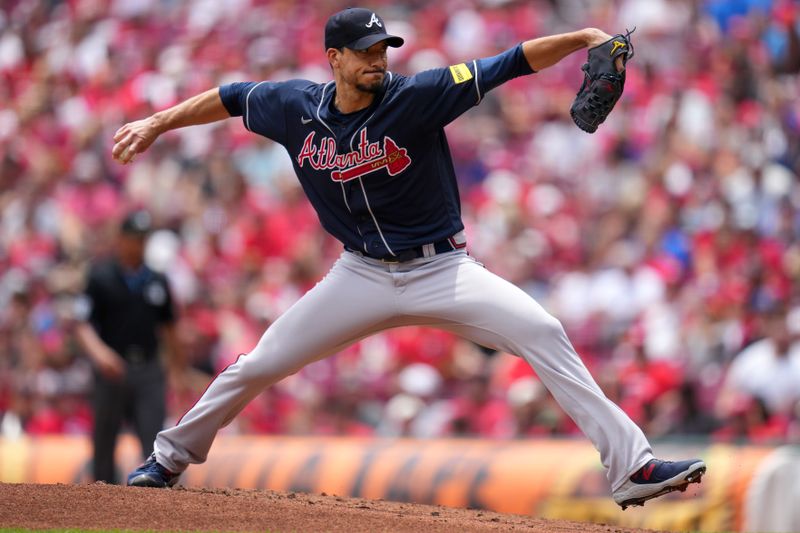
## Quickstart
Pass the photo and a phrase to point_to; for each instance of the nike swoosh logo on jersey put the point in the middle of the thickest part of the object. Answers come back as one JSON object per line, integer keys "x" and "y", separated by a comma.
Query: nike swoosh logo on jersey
{"x": 305, "y": 120}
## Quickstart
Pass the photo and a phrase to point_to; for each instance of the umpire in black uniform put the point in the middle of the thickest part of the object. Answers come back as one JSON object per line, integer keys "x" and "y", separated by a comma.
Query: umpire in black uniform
{"x": 126, "y": 312}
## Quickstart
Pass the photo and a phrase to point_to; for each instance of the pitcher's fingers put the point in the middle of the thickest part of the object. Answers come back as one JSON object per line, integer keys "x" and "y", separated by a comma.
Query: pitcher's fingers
{"x": 131, "y": 152}
{"x": 123, "y": 136}
{"x": 126, "y": 156}
{"x": 133, "y": 148}
{"x": 123, "y": 152}
{"x": 121, "y": 133}
{"x": 118, "y": 148}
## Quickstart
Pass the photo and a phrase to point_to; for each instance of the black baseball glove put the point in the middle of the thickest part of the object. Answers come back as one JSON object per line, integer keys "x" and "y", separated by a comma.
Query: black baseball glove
{"x": 602, "y": 83}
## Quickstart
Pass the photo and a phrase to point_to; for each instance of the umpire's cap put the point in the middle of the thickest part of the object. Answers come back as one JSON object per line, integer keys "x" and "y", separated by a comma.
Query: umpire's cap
{"x": 358, "y": 29}
{"x": 137, "y": 223}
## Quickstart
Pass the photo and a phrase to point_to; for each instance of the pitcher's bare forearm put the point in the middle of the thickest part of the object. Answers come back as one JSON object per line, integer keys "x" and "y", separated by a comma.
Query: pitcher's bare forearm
{"x": 201, "y": 109}
{"x": 547, "y": 51}
{"x": 136, "y": 137}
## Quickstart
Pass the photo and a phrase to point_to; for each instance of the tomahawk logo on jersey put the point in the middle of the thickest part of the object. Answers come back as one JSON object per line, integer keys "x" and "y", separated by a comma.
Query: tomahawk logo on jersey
{"x": 370, "y": 157}
{"x": 380, "y": 179}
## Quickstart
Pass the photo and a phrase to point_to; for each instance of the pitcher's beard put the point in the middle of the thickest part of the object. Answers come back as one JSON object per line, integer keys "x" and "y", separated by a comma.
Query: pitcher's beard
{"x": 372, "y": 88}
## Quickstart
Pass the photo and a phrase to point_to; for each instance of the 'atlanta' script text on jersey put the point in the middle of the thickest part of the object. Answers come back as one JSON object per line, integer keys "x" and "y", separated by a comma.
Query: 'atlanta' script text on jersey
{"x": 369, "y": 157}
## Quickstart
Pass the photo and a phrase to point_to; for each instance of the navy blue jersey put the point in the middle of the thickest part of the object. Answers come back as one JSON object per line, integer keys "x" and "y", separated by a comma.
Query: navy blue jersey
{"x": 381, "y": 179}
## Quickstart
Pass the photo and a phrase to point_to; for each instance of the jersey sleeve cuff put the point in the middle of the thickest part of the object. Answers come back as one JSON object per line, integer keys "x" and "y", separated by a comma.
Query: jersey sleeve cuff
{"x": 503, "y": 67}
{"x": 229, "y": 94}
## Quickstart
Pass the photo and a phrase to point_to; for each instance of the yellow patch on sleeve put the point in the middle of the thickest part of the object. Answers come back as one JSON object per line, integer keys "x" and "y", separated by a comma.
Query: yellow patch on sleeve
{"x": 460, "y": 73}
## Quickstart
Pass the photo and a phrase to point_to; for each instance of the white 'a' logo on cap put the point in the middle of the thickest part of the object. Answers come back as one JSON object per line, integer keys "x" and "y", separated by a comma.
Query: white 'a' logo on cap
{"x": 374, "y": 20}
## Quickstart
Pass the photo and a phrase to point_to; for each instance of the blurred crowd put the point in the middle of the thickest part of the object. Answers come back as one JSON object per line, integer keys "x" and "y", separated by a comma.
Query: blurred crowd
{"x": 667, "y": 243}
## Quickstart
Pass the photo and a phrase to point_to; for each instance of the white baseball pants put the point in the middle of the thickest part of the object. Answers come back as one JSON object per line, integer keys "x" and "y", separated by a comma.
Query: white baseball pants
{"x": 361, "y": 296}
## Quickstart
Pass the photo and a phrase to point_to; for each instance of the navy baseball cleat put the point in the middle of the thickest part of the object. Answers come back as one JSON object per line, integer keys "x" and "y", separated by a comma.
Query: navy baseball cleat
{"x": 658, "y": 477}
{"x": 152, "y": 474}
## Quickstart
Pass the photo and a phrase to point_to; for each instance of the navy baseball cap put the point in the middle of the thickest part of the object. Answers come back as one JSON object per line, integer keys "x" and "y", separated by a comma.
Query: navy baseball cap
{"x": 358, "y": 29}
{"x": 137, "y": 223}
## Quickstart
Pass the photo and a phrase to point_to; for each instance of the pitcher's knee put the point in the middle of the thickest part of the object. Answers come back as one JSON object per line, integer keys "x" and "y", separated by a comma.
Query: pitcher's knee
{"x": 547, "y": 326}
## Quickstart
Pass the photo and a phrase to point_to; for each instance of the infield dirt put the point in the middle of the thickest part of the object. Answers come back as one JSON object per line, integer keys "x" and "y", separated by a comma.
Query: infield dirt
{"x": 101, "y": 506}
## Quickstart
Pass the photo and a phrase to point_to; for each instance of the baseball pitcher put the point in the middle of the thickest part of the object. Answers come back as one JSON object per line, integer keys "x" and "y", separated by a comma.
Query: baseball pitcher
{"x": 370, "y": 151}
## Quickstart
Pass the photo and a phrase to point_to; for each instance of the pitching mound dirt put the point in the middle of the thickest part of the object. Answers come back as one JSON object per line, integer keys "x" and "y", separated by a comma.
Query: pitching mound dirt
{"x": 100, "y": 506}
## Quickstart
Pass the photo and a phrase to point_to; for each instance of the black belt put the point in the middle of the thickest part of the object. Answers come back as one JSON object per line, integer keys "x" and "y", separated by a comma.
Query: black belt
{"x": 439, "y": 247}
